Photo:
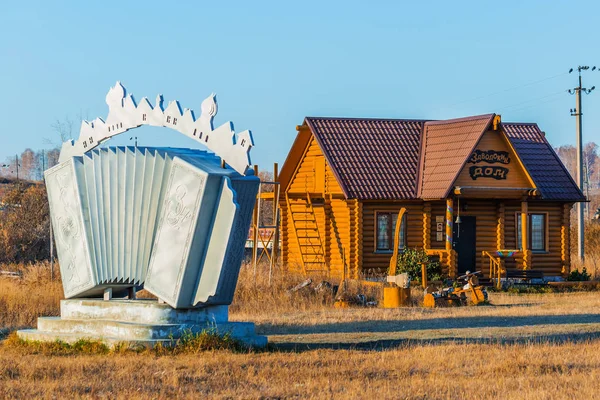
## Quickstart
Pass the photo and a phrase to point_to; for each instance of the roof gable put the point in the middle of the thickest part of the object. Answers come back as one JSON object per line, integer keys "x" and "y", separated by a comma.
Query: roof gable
{"x": 494, "y": 164}
{"x": 445, "y": 148}
{"x": 294, "y": 158}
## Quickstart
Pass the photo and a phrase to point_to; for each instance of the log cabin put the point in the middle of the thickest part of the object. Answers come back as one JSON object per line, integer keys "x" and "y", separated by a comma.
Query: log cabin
{"x": 480, "y": 194}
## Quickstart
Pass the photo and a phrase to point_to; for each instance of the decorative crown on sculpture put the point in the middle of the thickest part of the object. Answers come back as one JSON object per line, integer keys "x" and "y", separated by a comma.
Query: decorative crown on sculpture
{"x": 125, "y": 114}
{"x": 173, "y": 221}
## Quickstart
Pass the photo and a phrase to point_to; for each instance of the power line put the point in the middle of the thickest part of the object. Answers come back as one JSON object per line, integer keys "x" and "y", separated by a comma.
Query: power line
{"x": 536, "y": 104}
{"x": 534, "y": 99}
{"x": 509, "y": 89}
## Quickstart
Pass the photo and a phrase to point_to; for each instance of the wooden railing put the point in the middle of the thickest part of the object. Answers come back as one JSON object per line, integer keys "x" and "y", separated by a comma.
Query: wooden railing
{"x": 497, "y": 269}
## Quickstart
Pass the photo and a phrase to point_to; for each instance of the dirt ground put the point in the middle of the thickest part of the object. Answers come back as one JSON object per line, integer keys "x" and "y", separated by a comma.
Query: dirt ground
{"x": 510, "y": 319}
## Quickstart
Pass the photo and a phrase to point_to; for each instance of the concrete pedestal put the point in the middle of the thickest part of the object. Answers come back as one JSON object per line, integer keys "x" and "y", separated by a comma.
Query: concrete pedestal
{"x": 137, "y": 322}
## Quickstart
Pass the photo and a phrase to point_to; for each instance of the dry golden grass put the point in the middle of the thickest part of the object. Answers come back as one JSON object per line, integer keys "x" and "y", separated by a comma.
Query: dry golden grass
{"x": 540, "y": 371}
{"x": 22, "y": 301}
{"x": 534, "y": 346}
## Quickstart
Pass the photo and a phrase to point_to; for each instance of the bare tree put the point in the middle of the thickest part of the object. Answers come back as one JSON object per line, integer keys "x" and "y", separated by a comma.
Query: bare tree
{"x": 41, "y": 165}
{"x": 28, "y": 164}
{"x": 568, "y": 155}
{"x": 10, "y": 167}
{"x": 63, "y": 129}
{"x": 66, "y": 128}
{"x": 52, "y": 157}
{"x": 590, "y": 158}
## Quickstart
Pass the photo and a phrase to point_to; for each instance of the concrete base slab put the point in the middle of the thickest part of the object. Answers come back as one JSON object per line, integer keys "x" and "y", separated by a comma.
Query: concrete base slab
{"x": 140, "y": 310}
{"x": 136, "y": 322}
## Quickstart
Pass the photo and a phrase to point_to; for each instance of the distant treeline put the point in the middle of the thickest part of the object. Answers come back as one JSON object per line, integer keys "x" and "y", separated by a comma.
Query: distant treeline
{"x": 29, "y": 165}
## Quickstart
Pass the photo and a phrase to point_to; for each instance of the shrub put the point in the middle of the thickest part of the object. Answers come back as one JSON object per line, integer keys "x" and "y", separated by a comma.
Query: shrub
{"x": 410, "y": 262}
{"x": 579, "y": 276}
{"x": 194, "y": 343}
{"x": 56, "y": 348}
{"x": 188, "y": 343}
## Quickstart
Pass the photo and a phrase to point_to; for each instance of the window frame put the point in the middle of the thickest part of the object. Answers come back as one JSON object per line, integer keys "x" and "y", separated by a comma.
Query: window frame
{"x": 546, "y": 239}
{"x": 391, "y": 232}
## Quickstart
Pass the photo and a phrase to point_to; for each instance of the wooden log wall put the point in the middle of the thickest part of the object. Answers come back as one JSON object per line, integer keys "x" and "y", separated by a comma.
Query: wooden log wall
{"x": 551, "y": 261}
{"x": 304, "y": 178}
{"x": 378, "y": 262}
{"x": 347, "y": 228}
{"x": 510, "y": 231}
{"x": 294, "y": 236}
{"x": 438, "y": 209}
{"x": 427, "y": 225}
{"x": 340, "y": 233}
{"x": 315, "y": 188}
{"x": 356, "y": 240}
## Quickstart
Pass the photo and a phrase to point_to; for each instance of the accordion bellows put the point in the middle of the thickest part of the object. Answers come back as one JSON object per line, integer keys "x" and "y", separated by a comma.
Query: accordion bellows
{"x": 171, "y": 220}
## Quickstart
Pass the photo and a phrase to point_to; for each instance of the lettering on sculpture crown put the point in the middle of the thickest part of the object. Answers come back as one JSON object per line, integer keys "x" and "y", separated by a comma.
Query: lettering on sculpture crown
{"x": 124, "y": 114}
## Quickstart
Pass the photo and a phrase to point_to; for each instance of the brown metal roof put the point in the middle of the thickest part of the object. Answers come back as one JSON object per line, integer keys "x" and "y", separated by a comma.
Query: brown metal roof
{"x": 541, "y": 161}
{"x": 373, "y": 159}
{"x": 380, "y": 159}
{"x": 446, "y": 147}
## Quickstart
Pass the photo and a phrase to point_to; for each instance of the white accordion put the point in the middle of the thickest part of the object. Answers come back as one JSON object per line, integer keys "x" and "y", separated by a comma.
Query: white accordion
{"x": 171, "y": 220}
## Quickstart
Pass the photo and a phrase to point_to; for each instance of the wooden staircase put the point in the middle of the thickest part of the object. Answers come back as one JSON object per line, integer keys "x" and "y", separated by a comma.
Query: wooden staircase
{"x": 308, "y": 238}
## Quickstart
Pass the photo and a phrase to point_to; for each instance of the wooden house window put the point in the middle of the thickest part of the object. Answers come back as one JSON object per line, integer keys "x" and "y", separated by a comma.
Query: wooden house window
{"x": 385, "y": 230}
{"x": 536, "y": 232}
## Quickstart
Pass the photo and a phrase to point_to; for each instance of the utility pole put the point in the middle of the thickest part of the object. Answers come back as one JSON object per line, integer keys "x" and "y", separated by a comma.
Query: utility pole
{"x": 17, "y": 167}
{"x": 578, "y": 113}
{"x": 43, "y": 163}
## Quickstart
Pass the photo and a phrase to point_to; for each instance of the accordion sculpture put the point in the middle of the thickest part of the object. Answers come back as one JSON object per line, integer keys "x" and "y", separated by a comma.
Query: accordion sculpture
{"x": 173, "y": 221}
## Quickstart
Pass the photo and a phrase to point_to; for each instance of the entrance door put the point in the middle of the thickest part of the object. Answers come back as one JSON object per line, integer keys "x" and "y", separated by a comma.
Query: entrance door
{"x": 464, "y": 244}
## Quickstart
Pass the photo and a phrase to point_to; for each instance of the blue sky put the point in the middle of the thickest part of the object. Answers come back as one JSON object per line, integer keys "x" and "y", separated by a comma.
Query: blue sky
{"x": 273, "y": 63}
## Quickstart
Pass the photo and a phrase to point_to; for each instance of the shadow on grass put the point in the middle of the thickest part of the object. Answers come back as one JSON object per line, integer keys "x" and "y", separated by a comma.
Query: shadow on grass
{"x": 380, "y": 345}
{"x": 515, "y": 305}
{"x": 382, "y": 326}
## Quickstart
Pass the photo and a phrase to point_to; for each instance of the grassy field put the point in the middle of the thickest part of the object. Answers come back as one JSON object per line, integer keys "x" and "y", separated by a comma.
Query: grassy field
{"x": 532, "y": 346}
